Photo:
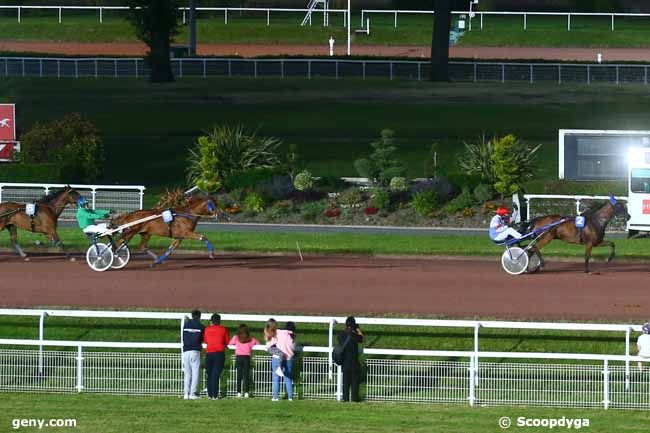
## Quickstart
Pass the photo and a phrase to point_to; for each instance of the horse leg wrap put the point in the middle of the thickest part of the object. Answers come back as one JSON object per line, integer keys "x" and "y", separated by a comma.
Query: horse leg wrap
{"x": 19, "y": 250}
{"x": 208, "y": 245}
{"x": 162, "y": 258}
{"x": 152, "y": 254}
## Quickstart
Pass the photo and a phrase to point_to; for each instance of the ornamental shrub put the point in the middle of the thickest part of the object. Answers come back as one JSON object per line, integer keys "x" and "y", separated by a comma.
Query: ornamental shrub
{"x": 425, "y": 202}
{"x": 380, "y": 198}
{"x": 398, "y": 184}
{"x": 303, "y": 181}
{"x": 253, "y": 202}
{"x": 382, "y": 164}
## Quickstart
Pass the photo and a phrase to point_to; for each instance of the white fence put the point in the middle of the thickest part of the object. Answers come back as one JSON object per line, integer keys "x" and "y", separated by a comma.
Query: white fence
{"x": 599, "y": 383}
{"x": 554, "y": 204}
{"x": 559, "y": 73}
{"x": 524, "y": 15}
{"x": 387, "y": 379}
{"x": 115, "y": 197}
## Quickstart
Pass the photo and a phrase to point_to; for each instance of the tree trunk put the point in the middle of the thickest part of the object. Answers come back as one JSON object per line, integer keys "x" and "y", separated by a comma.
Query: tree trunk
{"x": 159, "y": 60}
{"x": 440, "y": 41}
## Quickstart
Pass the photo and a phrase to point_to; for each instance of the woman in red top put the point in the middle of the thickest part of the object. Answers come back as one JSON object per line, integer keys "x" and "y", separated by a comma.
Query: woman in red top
{"x": 216, "y": 338}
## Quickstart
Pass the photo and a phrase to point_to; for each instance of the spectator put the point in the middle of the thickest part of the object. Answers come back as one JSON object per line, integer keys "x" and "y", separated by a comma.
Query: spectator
{"x": 192, "y": 338}
{"x": 643, "y": 344}
{"x": 280, "y": 344}
{"x": 243, "y": 343}
{"x": 350, "y": 339}
{"x": 216, "y": 339}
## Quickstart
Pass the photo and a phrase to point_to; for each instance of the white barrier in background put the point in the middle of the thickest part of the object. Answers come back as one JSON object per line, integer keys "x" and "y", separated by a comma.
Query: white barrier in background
{"x": 578, "y": 200}
{"x": 121, "y": 198}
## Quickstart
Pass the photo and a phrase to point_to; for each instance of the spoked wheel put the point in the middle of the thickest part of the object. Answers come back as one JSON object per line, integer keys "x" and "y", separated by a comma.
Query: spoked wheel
{"x": 514, "y": 261}
{"x": 121, "y": 257}
{"x": 534, "y": 263}
{"x": 99, "y": 257}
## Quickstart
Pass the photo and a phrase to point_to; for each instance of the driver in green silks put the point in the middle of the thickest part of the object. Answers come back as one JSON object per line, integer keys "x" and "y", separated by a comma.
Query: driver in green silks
{"x": 86, "y": 217}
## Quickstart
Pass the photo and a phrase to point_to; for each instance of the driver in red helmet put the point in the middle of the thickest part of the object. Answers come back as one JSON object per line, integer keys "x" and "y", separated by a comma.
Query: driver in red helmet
{"x": 499, "y": 229}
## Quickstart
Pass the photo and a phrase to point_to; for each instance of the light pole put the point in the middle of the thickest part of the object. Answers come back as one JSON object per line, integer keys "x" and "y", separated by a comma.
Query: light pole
{"x": 348, "y": 25}
{"x": 471, "y": 14}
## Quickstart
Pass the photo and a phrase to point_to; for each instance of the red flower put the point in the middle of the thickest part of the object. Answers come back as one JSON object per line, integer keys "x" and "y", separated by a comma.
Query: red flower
{"x": 370, "y": 210}
{"x": 333, "y": 213}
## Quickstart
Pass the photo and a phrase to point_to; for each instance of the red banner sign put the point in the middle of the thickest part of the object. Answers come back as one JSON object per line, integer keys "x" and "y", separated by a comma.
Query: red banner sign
{"x": 6, "y": 150}
{"x": 7, "y": 122}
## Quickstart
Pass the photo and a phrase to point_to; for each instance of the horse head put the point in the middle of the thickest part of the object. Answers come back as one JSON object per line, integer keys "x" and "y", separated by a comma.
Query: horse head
{"x": 619, "y": 208}
{"x": 204, "y": 206}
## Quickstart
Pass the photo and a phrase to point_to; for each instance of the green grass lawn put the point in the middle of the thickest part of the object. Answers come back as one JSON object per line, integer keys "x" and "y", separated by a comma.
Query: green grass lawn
{"x": 331, "y": 122}
{"x": 284, "y": 28}
{"x": 106, "y": 414}
{"x": 350, "y": 243}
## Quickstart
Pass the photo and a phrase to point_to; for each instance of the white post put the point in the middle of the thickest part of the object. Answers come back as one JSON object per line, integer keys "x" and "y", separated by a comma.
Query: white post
{"x": 141, "y": 198}
{"x": 627, "y": 359}
{"x": 205, "y": 68}
{"x": 606, "y": 384}
{"x": 481, "y": 20}
{"x": 476, "y": 331}
{"x": 525, "y": 27}
{"x": 612, "y": 22}
{"x": 577, "y": 206}
{"x": 19, "y": 14}
{"x": 94, "y": 198}
{"x": 330, "y": 346}
{"x": 184, "y": 21}
{"x": 101, "y": 15}
{"x": 472, "y": 388}
{"x": 339, "y": 383}
{"x": 182, "y": 326}
{"x": 568, "y": 22}
{"x": 41, "y": 337}
{"x": 395, "y": 25}
{"x": 59, "y": 15}
{"x": 79, "y": 369}
{"x": 531, "y": 73}
{"x": 225, "y": 16}
{"x": 348, "y": 24}
{"x": 268, "y": 17}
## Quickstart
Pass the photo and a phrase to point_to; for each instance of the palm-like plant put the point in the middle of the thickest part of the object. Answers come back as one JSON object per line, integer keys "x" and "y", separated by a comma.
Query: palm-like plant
{"x": 226, "y": 151}
{"x": 477, "y": 159}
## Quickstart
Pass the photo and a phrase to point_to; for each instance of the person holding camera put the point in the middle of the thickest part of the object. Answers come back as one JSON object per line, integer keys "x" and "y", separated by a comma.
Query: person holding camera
{"x": 349, "y": 339}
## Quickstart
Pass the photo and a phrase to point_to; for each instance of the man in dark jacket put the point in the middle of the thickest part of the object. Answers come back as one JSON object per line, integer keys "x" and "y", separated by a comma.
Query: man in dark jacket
{"x": 350, "y": 339}
{"x": 192, "y": 339}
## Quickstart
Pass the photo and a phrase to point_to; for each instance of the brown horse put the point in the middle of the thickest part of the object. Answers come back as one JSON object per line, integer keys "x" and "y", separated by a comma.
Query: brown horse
{"x": 181, "y": 227}
{"x": 593, "y": 233}
{"x": 45, "y": 219}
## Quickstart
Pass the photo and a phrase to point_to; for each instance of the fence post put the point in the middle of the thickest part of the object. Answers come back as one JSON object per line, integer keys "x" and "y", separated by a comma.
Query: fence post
{"x": 612, "y": 22}
{"x": 23, "y": 67}
{"x": 503, "y": 72}
{"x": 205, "y": 68}
{"x": 477, "y": 327}
{"x": 58, "y": 68}
{"x": 184, "y": 17}
{"x": 136, "y": 68}
{"x": 330, "y": 346}
{"x": 180, "y": 68}
{"x": 225, "y": 16}
{"x": 7, "y": 68}
{"x": 255, "y": 68}
{"x": 336, "y": 62}
{"x": 531, "y": 73}
{"x": 617, "y": 80}
{"x": 528, "y": 216}
{"x": 268, "y": 17}
{"x": 339, "y": 383}
{"x": 645, "y": 74}
{"x": 568, "y": 23}
{"x": 96, "y": 71}
{"x": 79, "y": 369}
{"x": 364, "y": 69}
{"x": 395, "y": 25}
{"x": 115, "y": 63}
{"x": 141, "y": 198}
{"x": 419, "y": 71}
{"x": 281, "y": 68}
{"x": 19, "y": 14}
{"x": 59, "y": 15}
{"x": 559, "y": 74}
{"x": 588, "y": 74}
{"x": 472, "y": 388}
{"x": 230, "y": 68}
{"x": 40, "y": 68}
{"x": 94, "y": 197}
{"x": 41, "y": 337}
{"x": 391, "y": 70}
{"x": 475, "y": 71}
{"x": 481, "y": 20}
{"x": 76, "y": 68}
{"x": 627, "y": 359}
{"x": 101, "y": 15}
{"x": 309, "y": 69}
{"x": 606, "y": 384}
{"x": 578, "y": 206}
{"x": 525, "y": 27}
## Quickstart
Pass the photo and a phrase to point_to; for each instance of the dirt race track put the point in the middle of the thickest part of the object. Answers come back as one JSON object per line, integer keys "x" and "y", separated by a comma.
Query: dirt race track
{"x": 360, "y": 285}
{"x": 253, "y": 50}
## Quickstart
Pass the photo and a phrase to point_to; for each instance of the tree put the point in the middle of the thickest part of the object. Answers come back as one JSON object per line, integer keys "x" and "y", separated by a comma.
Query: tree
{"x": 156, "y": 24}
{"x": 440, "y": 40}
{"x": 514, "y": 163}
{"x": 382, "y": 165}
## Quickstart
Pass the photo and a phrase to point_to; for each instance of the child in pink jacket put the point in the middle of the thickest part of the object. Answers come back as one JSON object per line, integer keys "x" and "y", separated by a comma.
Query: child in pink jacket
{"x": 280, "y": 343}
{"x": 243, "y": 343}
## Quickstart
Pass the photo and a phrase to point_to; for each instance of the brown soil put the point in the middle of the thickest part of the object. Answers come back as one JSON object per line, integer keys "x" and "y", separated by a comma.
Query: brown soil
{"x": 335, "y": 285}
{"x": 252, "y": 50}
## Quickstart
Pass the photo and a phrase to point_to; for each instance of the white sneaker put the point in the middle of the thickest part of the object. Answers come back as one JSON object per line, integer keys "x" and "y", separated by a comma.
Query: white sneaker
{"x": 239, "y": 395}
{"x": 194, "y": 397}
{"x": 246, "y": 395}
{"x": 186, "y": 397}
{"x": 279, "y": 372}
{"x": 275, "y": 399}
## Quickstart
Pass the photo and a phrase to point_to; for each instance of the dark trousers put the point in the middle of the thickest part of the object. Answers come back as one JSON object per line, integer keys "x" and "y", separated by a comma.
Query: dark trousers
{"x": 214, "y": 363}
{"x": 243, "y": 364}
{"x": 351, "y": 379}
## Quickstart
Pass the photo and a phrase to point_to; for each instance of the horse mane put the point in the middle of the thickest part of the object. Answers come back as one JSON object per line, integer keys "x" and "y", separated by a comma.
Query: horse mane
{"x": 595, "y": 207}
{"x": 52, "y": 195}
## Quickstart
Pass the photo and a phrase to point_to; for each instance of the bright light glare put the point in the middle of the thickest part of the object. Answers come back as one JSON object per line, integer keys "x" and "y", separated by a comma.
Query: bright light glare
{"x": 636, "y": 156}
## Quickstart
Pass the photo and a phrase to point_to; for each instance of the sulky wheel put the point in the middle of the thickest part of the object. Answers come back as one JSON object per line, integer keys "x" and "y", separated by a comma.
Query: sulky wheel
{"x": 514, "y": 261}
{"x": 99, "y": 257}
{"x": 121, "y": 257}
